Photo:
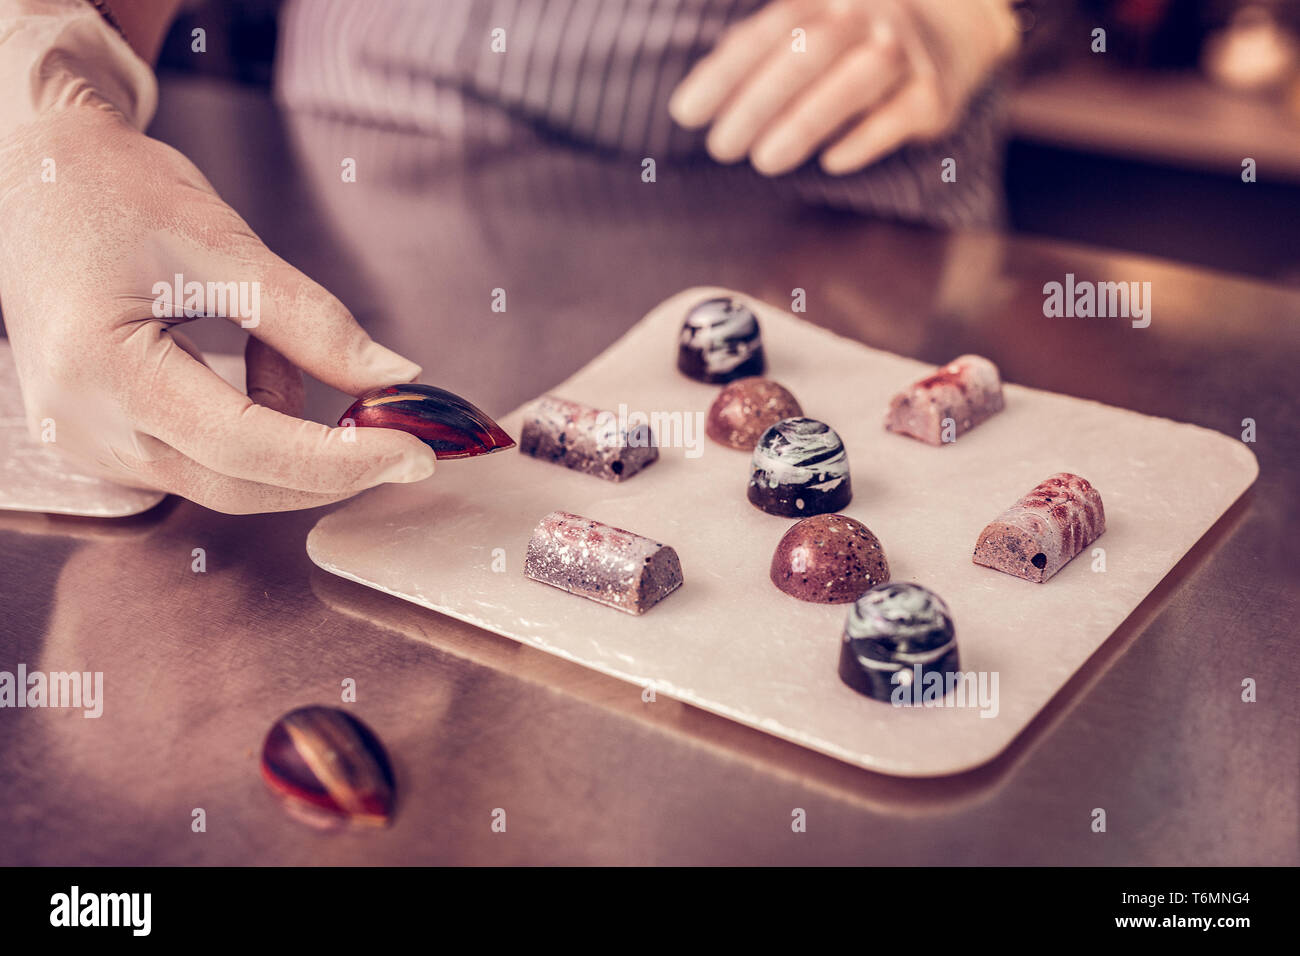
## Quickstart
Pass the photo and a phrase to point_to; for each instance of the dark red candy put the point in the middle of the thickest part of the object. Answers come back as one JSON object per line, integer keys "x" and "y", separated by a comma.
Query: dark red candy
{"x": 444, "y": 421}
{"x": 329, "y": 768}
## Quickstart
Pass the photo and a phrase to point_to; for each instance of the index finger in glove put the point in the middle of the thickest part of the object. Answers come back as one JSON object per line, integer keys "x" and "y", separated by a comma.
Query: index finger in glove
{"x": 306, "y": 324}
{"x": 186, "y": 405}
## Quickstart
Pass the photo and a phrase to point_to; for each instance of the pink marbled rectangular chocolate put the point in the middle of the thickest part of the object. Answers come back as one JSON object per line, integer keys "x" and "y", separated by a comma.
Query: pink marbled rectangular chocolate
{"x": 1044, "y": 530}
{"x": 965, "y": 392}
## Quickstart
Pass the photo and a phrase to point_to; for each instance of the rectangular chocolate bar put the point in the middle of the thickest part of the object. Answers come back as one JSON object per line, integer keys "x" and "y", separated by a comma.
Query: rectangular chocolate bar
{"x": 1040, "y": 533}
{"x": 602, "y": 563}
{"x": 967, "y": 390}
{"x": 585, "y": 439}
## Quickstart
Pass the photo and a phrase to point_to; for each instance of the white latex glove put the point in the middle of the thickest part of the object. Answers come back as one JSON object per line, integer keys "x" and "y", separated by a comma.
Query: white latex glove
{"x": 79, "y": 256}
{"x": 873, "y": 75}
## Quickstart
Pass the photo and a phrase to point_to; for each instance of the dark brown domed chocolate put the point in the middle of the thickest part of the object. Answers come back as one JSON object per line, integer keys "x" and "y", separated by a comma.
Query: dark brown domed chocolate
{"x": 829, "y": 559}
{"x": 746, "y": 408}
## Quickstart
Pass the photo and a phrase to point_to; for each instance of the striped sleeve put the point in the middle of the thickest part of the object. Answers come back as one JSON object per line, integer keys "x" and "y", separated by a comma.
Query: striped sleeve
{"x": 589, "y": 73}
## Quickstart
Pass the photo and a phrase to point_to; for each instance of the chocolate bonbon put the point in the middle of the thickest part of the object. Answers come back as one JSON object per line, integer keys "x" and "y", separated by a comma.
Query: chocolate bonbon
{"x": 720, "y": 341}
{"x": 444, "y": 421}
{"x": 800, "y": 468}
{"x": 895, "y": 633}
{"x": 328, "y": 768}
{"x": 828, "y": 559}
{"x": 602, "y": 563}
{"x": 586, "y": 439}
{"x": 746, "y": 408}
{"x": 963, "y": 393}
{"x": 1040, "y": 533}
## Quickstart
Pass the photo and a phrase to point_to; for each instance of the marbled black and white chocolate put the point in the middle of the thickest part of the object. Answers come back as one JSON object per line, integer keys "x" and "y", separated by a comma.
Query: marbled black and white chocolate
{"x": 800, "y": 468}
{"x": 896, "y": 628}
{"x": 720, "y": 341}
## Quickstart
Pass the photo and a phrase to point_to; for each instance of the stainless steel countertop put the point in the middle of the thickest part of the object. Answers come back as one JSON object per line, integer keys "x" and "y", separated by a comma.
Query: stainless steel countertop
{"x": 197, "y": 666}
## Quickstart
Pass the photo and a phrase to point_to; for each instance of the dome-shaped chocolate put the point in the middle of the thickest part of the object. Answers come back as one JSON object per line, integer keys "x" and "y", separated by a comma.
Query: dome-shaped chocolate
{"x": 447, "y": 423}
{"x": 720, "y": 342}
{"x": 746, "y": 408}
{"x": 328, "y": 768}
{"x": 800, "y": 468}
{"x": 828, "y": 559}
{"x": 895, "y": 633}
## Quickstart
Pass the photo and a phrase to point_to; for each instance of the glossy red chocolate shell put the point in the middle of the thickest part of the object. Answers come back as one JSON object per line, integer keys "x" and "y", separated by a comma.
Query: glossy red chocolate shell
{"x": 328, "y": 768}
{"x": 443, "y": 420}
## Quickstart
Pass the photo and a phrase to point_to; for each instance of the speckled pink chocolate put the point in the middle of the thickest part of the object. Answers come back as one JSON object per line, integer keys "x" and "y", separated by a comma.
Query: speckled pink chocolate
{"x": 746, "y": 408}
{"x": 602, "y": 563}
{"x": 828, "y": 559}
{"x": 967, "y": 390}
{"x": 1040, "y": 533}
{"x": 586, "y": 439}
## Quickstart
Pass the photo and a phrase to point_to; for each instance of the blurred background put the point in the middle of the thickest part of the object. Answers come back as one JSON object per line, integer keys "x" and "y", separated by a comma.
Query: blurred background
{"x": 1139, "y": 148}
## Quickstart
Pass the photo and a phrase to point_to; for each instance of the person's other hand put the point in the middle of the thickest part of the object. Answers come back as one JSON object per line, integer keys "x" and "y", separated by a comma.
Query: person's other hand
{"x": 92, "y": 214}
{"x": 864, "y": 77}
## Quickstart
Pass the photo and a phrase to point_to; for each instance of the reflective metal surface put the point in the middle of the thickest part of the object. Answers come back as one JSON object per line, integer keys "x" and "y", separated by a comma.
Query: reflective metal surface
{"x": 198, "y": 665}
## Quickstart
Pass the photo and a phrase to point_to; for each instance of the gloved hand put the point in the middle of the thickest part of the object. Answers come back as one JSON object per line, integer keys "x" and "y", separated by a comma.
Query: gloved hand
{"x": 92, "y": 214}
{"x": 873, "y": 75}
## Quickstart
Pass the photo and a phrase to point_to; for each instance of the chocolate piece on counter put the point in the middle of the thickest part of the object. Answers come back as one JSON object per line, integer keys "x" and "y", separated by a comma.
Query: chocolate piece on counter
{"x": 328, "y": 768}
{"x": 606, "y": 564}
{"x": 896, "y": 629}
{"x": 1040, "y": 533}
{"x": 720, "y": 342}
{"x": 745, "y": 409}
{"x": 585, "y": 439}
{"x": 444, "y": 421}
{"x": 967, "y": 390}
{"x": 800, "y": 468}
{"x": 828, "y": 559}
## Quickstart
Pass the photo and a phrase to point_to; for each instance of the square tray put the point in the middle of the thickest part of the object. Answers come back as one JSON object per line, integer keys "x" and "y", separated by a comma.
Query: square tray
{"x": 728, "y": 641}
